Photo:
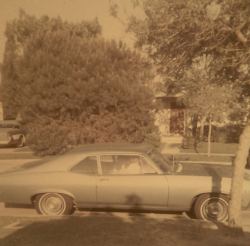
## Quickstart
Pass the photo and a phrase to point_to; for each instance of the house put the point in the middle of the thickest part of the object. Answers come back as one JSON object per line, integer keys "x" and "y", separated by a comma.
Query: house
{"x": 170, "y": 117}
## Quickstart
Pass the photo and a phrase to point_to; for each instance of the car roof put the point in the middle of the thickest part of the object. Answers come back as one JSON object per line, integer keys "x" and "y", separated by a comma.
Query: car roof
{"x": 63, "y": 162}
{"x": 113, "y": 147}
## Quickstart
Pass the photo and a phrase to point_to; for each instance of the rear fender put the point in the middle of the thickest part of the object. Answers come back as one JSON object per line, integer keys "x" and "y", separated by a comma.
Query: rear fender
{"x": 42, "y": 191}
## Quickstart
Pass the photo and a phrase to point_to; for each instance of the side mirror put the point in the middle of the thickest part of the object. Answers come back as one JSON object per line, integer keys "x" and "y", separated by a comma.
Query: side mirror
{"x": 178, "y": 168}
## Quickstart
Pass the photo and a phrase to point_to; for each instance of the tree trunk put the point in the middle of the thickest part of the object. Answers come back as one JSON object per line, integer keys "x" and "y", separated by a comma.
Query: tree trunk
{"x": 238, "y": 178}
{"x": 203, "y": 120}
{"x": 185, "y": 123}
{"x": 194, "y": 125}
{"x": 194, "y": 131}
{"x": 209, "y": 137}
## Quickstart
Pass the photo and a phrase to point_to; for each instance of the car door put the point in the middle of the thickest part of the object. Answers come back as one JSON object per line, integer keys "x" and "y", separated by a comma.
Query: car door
{"x": 82, "y": 183}
{"x": 130, "y": 181}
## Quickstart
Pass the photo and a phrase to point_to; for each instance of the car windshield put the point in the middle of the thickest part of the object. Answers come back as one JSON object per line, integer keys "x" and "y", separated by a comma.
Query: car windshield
{"x": 161, "y": 161}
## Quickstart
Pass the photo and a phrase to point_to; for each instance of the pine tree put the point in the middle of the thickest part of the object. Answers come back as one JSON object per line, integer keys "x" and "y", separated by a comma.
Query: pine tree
{"x": 75, "y": 89}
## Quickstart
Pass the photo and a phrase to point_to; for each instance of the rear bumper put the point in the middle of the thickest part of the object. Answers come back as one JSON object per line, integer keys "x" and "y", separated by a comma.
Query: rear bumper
{"x": 11, "y": 142}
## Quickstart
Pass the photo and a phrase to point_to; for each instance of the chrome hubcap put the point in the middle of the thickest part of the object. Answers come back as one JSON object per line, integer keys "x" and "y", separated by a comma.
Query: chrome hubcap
{"x": 215, "y": 209}
{"x": 52, "y": 204}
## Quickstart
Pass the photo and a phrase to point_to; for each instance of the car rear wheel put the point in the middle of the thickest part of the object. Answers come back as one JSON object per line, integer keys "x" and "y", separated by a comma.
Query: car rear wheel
{"x": 213, "y": 207}
{"x": 54, "y": 204}
{"x": 21, "y": 141}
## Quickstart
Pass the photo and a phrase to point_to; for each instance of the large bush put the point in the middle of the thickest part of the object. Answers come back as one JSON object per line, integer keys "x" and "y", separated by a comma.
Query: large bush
{"x": 18, "y": 32}
{"x": 76, "y": 90}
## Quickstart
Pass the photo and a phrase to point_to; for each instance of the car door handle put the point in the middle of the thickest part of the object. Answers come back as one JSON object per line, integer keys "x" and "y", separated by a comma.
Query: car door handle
{"x": 104, "y": 179}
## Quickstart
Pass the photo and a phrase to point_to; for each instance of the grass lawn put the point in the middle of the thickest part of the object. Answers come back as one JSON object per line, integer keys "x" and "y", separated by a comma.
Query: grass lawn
{"x": 204, "y": 158}
{"x": 109, "y": 230}
{"x": 216, "y": 148}
{"x": 220, "y": 152}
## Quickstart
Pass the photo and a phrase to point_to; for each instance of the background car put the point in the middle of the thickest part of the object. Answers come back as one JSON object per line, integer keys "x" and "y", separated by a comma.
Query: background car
{"x": 11, "y": 134}
{"x": 119, "y": 177}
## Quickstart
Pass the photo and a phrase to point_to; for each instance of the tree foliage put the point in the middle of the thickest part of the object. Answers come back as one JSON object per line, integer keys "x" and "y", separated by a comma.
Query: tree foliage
{"x": 18, "y": 32}
{"x": 207, "y": 100}
{"x": 75, "y": 89}
{"x": 203, "y": 95}
{"x": 177, "y": 33}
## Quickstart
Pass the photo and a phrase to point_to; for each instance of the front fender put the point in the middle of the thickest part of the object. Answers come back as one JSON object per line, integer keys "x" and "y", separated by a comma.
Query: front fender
{"x": 184, "y": 189}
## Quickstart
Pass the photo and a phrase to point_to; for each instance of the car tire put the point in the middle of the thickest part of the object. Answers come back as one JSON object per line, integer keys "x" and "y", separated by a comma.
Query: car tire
{"x": 54, "y": 204}
{"x": 213, "y": 207}
{"x": 21, "y": 142}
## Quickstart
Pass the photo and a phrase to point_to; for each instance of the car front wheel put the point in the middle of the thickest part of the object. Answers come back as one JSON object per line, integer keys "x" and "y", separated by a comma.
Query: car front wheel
{"x": 54, "y": 204}
{"x": 213, "y": 207}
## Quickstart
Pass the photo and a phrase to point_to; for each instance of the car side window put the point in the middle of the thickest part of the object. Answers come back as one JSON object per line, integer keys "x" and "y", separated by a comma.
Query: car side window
{"x": 147, "y": 168}
{"x": 120, "y": 165}
{"x": 87, "y": 166}
{"x": 107, "y": 164}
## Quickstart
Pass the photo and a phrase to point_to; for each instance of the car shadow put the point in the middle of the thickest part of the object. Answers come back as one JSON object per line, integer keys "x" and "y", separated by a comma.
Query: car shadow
{"x": 108, "y": 229}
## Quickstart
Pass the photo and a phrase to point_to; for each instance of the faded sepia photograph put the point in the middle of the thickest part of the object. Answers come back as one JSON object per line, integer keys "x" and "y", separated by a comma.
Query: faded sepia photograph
{"x": 124, "y": 122}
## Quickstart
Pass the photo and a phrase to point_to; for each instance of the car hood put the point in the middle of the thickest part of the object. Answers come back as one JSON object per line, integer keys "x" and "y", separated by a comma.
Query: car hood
{"x": 191, "y": 169}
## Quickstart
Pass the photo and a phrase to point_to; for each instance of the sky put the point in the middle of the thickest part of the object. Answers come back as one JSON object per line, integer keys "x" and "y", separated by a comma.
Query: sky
{"x": 71, "y": 10}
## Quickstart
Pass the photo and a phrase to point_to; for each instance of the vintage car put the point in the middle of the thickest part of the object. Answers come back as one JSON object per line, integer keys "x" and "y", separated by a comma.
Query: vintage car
{"x": 10, "y": 134}
{"x": 120, "y": 176}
